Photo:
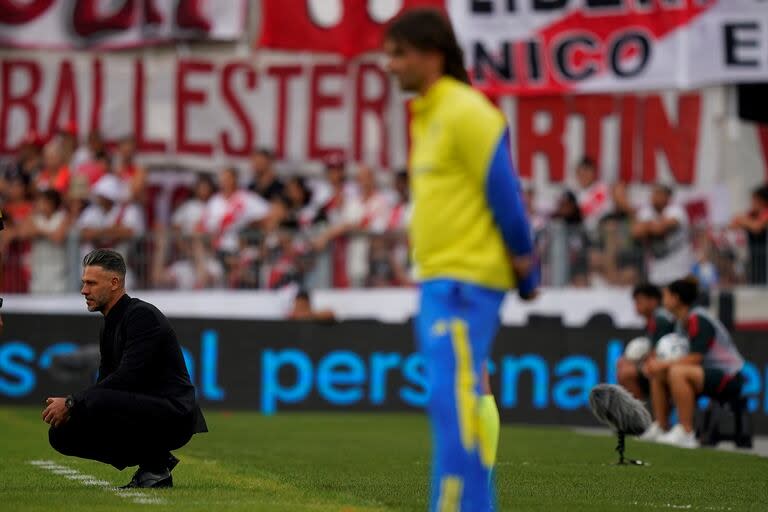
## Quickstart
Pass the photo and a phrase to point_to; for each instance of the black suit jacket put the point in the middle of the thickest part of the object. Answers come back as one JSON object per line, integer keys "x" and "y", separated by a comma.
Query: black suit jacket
{"x": 141, "y": 354}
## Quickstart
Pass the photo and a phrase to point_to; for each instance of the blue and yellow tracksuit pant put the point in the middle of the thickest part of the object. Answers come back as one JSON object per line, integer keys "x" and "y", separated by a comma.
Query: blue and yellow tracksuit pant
{"x": 455, "y": 328}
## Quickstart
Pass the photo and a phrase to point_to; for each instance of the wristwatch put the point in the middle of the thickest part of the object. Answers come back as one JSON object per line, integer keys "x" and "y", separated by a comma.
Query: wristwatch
{"x": 69, "y": 402}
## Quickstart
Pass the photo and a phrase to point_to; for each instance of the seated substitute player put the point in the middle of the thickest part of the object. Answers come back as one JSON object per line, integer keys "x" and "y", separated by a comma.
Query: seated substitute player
{"x": 659, "y": 321}
{"x": 468, "y": 217}
{"x": 633, "y": 375}
{"x": 712, "y": 367}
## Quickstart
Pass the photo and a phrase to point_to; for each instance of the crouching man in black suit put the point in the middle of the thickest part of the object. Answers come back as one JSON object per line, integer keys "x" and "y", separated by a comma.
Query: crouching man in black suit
{"x": 143, "y": 404}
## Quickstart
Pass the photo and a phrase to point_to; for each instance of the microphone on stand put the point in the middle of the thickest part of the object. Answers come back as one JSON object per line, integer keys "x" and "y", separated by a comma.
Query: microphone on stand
{"x": 624, "y": 414}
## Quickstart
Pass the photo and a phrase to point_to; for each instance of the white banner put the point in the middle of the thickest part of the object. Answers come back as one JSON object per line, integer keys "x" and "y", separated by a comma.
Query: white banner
{"x": 575, "y": 306}
{"x": 561, "y": 46}
{"x": 387, "y": 304}
{"x": 109, "y": 24}
{"x": 204, "y": 111}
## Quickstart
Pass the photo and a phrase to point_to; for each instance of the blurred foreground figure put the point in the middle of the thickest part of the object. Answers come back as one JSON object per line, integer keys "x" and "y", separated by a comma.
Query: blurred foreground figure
{"x": 471, "y": 243}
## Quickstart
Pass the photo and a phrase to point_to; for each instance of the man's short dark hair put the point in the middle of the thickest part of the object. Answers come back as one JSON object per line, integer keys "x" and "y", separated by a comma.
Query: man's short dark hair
{"x": 687, "y": 290}
{"x": 107, "y": 259}
{"x": 647, "y": 290}
{"x": 302, "y": 295}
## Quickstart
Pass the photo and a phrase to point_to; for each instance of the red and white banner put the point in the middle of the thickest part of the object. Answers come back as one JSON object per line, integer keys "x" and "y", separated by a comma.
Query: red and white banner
{"x": 540, "y": 47}
{"x": 204, "y": 111}
{"x": 346, "y": 27}
{"x": 106, "y": 24}
{"x": 611, "y": 45}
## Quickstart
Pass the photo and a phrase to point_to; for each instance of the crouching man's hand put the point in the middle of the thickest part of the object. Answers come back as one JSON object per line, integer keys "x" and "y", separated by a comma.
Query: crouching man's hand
{"x": 57, "y": 412}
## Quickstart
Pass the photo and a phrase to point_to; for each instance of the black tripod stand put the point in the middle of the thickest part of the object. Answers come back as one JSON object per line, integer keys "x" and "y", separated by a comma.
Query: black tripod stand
{"x": 620, "y": 449}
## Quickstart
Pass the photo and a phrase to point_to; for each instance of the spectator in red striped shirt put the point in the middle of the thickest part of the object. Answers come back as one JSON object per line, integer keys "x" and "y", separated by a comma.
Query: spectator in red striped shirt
{"x": 230, "y": 211}
{"x": 594, "y": 195}
{"x": 368, "y": 213}
{"x": 341, "y": 189}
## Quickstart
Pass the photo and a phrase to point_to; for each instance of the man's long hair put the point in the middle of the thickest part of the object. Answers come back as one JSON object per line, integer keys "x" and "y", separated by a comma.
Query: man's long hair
{"x": 430, "y": 30}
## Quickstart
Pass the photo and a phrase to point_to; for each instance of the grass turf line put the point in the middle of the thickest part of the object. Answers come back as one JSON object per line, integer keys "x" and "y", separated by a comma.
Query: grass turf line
{"x": 379, "y": 462}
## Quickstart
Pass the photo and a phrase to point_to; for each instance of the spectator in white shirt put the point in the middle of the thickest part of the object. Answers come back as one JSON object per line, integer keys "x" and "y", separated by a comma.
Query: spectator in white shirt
{"x": 110, "y": 221}
{"x": 47, "y": 228}
{"x": 663, "y": 228}
{"x": 189, "y": 215}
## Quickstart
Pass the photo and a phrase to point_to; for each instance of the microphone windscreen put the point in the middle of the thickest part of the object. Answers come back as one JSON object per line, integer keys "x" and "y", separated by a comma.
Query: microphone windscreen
{"x": 615, "y": 407}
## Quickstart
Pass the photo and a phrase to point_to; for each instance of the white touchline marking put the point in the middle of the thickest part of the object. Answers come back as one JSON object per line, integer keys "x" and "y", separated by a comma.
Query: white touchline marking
{"x": 137, "y": 497}
{"x": 65, "y": 471}
{"x": 130, "y": 494}
{"x": 678, "y": 507}
{"x": 79, "y": 477}
{"x": 92, "y": 481}
{"x": 148, "y": 501}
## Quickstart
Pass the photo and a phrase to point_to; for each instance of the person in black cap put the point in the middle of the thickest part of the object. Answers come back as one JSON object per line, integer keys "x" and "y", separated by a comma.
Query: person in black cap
{"x": 143, "y": 404}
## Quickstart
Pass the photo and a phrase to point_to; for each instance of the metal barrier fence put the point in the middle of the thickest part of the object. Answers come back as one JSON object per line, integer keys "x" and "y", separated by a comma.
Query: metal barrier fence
{"x": 569, "y": 256}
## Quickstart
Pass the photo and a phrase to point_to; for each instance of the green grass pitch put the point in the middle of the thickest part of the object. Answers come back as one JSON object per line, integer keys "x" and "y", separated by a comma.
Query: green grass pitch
{"x": 375, "y": 462}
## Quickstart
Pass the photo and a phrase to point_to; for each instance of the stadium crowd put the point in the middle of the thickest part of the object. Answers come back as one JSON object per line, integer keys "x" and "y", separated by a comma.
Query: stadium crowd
{"x": 263, "y": 229}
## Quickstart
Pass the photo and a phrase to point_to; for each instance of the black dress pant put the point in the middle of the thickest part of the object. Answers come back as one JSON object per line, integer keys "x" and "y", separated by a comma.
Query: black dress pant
{"x": 123, "y": 429}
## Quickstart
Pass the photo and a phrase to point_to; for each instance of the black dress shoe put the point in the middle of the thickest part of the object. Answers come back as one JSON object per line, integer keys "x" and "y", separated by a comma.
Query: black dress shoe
{"x": 145, "y": 479}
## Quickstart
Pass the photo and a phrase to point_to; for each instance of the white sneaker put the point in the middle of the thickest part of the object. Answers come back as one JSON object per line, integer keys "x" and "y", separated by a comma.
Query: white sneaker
{"x": 652, "y": 434}
{"x": 677, "y": 436}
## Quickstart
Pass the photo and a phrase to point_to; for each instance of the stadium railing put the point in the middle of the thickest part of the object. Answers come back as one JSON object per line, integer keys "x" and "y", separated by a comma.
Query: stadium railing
{"x": 569, "y": 255}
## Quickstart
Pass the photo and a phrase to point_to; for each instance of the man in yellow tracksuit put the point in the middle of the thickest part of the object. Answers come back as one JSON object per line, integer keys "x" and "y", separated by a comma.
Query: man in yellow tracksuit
{"x": 471, "y": 243}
